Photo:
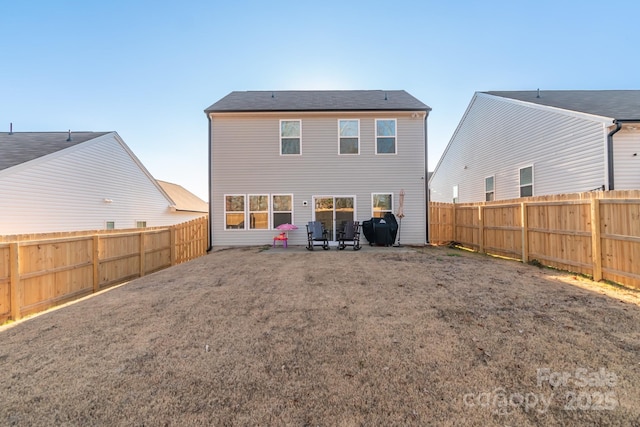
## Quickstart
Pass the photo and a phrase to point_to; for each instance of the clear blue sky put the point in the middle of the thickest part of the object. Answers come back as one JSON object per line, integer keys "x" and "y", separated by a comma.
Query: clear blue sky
{"x": 148, "y": 69}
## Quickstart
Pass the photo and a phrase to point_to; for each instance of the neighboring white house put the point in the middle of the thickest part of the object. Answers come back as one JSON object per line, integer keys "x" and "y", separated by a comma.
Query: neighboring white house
{"x": 64, "y": 181}
{"x": 516, "y": 144}
{"x": 297, "y": 156}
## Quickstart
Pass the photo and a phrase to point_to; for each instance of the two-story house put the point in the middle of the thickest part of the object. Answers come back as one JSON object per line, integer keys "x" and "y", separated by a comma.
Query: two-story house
{"x": 298, "y": 156}
{"x": 534, "y": 143}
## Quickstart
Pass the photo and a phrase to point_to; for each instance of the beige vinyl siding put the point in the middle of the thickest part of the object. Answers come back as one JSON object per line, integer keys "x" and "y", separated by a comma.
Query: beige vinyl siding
{"x": 246, "y": 160}
{"x": 626, "y": 143}
{"x": 66, "y": 191}
{"x": 498, "y": 137}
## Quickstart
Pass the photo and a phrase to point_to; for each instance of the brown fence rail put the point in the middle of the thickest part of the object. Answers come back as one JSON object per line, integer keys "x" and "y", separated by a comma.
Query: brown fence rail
{"x": 41, "y": 271}
{"x": 595, "y": 233}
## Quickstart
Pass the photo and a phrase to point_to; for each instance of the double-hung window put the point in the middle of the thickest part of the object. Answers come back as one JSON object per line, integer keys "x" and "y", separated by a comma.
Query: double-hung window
{"x": 526, "y": 181}
{"x": 381, "y": 204}
{"x": 489, "y": 191}
{"x": 282, "y": 208}
{"x": 456, "y": 196}
{"x": 258, "y": 212}
{"x": 385, "y": 136}
{"x": 290, "y": 137}
{"x": 234, "y": 211}
{"x": 349, "y": 134}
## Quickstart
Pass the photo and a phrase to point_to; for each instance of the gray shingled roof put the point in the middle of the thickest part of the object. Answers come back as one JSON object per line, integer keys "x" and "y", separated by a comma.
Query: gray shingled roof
{"x": 615, "y": 104}
{"x": 21, "y": 147}
{"x": 318, "y": 100}
{"x": 184, "y": 199}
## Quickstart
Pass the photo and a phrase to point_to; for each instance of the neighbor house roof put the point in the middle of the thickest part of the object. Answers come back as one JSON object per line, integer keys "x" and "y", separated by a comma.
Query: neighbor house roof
{"x": 183, "y": 199}
{"x": 616, "y": 104}
{"x": 318, "y": 100}
{"x": 21, "y": 147}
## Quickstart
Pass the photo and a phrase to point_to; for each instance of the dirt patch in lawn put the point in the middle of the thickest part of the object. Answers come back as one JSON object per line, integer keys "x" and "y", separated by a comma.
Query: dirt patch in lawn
{"x": 388, "y": 336}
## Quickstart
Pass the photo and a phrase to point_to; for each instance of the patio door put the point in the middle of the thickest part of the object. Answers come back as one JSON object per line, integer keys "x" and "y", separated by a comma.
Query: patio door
{"x": 333, "y": 211}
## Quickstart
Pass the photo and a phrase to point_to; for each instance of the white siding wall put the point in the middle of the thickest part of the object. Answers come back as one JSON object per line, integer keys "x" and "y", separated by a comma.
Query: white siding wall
{"x": 626, "y": 143}
{"x": 497, "y": 137}
{"x": 65, "y": 191}
{"x": 246, "y": 160}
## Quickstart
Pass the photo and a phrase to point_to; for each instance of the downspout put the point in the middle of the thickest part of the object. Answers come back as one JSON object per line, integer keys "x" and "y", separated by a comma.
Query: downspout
{"x": 426, "y": 176}
{"x": 610, "y": 185}
{"x": 210, "y": 179}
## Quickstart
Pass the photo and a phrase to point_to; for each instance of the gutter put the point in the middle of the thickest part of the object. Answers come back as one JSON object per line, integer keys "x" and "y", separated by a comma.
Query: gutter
{"x": 210, "y": 177}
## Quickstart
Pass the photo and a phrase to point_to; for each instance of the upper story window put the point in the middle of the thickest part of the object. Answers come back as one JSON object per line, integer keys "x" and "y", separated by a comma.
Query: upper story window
{"x": 258, "y": 212}
{"x": 381, "y": 204}
{"x": 234, "y": 212}
{"x": 385, "y": 136}
{"x": 526, "y": 181}
{"x": 290, "y": 137}
{"x": 349, "y": 134}
{"x": 489, "y": 192}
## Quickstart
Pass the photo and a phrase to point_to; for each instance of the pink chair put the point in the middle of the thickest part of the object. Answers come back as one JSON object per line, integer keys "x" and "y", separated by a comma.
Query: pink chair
{"x": 281, "y": 237}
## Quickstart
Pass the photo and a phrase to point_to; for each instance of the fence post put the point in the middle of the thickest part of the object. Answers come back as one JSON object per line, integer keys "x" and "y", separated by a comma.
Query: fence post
{"x": 596, "y": 242}
{"x": 174, "y": 230}
{"x": 142, "y": 254}
{"x": 96, "y": 263}
{"x": 15, "y": 285}
{"x": 524, "y": 220}
{"x": 453, "y": 223}
{"x": 480, "y": 229}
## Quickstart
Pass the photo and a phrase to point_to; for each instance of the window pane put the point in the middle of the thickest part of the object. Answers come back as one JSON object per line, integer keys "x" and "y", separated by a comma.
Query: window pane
{"x": 382, "y": 202}
{"x": 526, "y": 176}
{"x": 386, "y": 145}
{"x": 488, "y": 184}
{"x": 290, "y": 128}
{"x": 258, "y": 203}
{"x": 281, "y": 203}
{"x": 259, "y": 221}
{"x": 290, "y": 145}
{"x": 235, "y": 220}
{"x": 348, "y": 145}
{"x": 386, "y": 128}
{"x": 526, "y": 191}
{"x": 281, "y": 218}
{"x": 234, "y": 204}
{"x": 489, "y": 197}
{"x": 348, "y": 128}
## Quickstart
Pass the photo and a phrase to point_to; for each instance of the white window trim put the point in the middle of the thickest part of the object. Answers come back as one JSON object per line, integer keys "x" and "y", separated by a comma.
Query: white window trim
{"x": 106, "y": 225}
{"x": 456, "y": 193}
{"x": 280, "y": 133}
{"x": 244, "y": 212}
{"x": 533, "y": 189}
{"x": 395, "y": 136}
{"x": 249, "y": 212}
{"x": 340, "y": 137}
{"x": 384, "y": 193}
{"x": 273, "y": 211}
{"x": 494, "y": 187}
{"x": 140, "y": 220}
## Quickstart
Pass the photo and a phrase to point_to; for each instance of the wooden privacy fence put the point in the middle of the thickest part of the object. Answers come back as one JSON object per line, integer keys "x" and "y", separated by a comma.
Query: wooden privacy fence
{"x": 595, "y": 233}
{"x": 36, "y": 274}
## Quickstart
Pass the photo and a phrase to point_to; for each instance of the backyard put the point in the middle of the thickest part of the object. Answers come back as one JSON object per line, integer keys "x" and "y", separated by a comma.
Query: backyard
{"x": 382, "y": 336}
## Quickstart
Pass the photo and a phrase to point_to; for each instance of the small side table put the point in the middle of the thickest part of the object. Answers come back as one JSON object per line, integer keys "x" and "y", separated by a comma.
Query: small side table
{"x": 281, "y": 237}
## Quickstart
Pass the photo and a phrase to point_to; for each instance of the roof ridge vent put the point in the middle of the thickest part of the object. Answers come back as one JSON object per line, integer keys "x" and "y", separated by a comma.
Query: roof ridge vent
{"x": 69, "y": 137}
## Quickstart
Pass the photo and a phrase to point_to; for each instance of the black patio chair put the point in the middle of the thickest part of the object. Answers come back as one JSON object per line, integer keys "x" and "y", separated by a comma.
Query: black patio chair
{"x": 317, "y": 235}
{"x": 349, "y": 235}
